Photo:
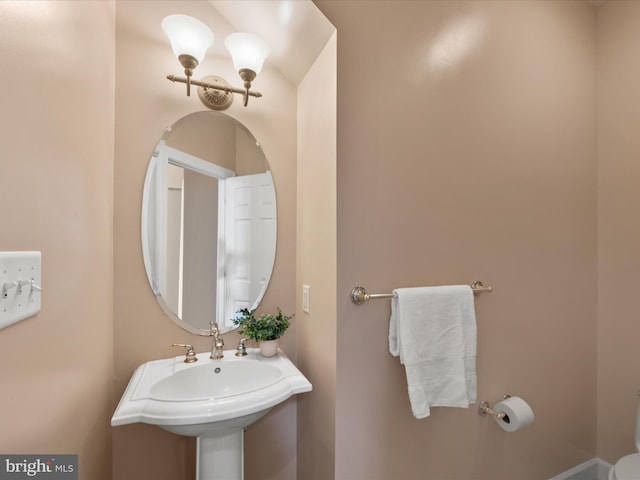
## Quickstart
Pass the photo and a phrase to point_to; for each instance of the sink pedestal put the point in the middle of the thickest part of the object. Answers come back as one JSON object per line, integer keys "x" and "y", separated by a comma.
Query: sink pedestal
{"x": 221, "y": 456}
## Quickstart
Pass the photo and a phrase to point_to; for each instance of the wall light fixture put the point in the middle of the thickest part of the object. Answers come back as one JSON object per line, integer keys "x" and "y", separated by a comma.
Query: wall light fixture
{"x": 190, "y": 39}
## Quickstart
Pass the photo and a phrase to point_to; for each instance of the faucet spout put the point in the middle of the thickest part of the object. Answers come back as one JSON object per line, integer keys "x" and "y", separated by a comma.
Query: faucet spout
{"x": 217, "y": 348}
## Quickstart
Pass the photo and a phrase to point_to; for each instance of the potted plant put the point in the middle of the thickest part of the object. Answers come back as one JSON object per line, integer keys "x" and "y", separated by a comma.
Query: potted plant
{"x": 266, "y": 329}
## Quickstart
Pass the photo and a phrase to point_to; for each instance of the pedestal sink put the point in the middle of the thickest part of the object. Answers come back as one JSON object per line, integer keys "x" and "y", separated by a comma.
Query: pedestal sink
{"x": 213, "y": 400}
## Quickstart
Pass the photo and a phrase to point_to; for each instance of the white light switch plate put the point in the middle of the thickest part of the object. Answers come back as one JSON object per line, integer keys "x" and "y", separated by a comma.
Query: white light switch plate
{"x": 20, "y": 284}
{"x": 306, "y": 298}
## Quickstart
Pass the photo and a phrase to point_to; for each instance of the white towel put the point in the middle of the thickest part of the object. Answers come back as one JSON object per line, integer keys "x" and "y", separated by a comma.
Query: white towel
{"x": 433, "y": 331}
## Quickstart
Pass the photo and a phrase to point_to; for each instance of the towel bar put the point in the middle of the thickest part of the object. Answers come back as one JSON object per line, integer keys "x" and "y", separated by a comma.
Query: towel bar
{"x": 359, "y": 295}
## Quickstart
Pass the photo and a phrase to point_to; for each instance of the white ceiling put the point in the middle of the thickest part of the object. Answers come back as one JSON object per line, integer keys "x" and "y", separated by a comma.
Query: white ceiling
{"x": 295, "y": 30}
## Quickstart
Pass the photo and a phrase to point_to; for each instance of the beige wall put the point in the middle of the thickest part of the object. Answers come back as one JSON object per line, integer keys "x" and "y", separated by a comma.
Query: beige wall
{"x": 317, "y": 267}
{"x": 146, "y": 103}
{"x": 56, "y": 188}
{"x": 480, "y": 167}
{"x": 619, "y": 230}
{"x": 467, "y": 150}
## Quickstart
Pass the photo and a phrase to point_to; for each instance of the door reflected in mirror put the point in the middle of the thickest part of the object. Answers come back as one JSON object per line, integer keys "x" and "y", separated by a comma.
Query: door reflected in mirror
{"x": 209, "y": 221}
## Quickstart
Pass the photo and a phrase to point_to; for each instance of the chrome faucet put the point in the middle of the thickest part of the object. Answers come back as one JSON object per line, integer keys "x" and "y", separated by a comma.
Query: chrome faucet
{"x": 217, "y": 348}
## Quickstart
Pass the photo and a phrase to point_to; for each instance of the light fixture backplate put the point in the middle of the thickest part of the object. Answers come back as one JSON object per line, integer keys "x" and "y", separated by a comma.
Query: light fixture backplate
{"x": 213, "y": 98}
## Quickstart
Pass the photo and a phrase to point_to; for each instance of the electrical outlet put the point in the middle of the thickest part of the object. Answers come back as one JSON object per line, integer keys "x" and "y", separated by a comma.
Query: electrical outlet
{"x": 306, "y": 294}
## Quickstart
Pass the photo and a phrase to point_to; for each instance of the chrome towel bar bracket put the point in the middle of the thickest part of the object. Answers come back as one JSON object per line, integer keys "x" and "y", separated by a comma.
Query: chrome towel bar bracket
{"x": 359, "y": 295}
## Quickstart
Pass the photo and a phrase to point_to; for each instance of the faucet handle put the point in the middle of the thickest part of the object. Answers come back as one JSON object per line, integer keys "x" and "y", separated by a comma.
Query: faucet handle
{"x": 241, "y": 350}
{"x": 190, "y": 355}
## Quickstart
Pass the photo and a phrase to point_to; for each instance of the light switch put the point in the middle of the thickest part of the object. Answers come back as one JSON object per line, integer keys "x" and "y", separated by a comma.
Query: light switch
{"x": 306, "y": 294}
{"x": 20, "y": 286}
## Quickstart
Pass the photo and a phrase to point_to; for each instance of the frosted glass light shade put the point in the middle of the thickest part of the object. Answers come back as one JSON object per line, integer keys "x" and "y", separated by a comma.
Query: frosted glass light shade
{"x": 247, "y": 50}
{"x": 188, "y": 35}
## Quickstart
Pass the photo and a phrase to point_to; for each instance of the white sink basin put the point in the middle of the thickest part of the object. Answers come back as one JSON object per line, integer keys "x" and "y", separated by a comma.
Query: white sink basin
{"x": 215, "y": 380}
{"x": 213, "y": 400}
{"x": 208, "y": 395}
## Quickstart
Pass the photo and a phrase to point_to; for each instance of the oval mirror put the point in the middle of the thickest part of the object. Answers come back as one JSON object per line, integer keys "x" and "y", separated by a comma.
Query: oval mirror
{"x": 209, "y": 222}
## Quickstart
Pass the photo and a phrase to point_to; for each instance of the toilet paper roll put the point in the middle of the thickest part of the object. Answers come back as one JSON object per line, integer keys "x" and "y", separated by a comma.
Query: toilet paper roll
{"x": 518, "y": 414}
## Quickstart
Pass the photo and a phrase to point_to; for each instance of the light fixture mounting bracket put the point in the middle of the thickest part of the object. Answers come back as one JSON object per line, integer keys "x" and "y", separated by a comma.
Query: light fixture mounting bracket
{"x": 219, "y": 98}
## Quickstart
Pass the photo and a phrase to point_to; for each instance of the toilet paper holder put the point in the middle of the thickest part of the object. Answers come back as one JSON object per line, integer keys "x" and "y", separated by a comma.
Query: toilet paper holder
{"x": 485, "y": 409}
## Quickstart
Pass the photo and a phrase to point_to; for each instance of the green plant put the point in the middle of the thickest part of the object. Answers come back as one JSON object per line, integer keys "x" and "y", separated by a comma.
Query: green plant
{"x": 265, "y": 327}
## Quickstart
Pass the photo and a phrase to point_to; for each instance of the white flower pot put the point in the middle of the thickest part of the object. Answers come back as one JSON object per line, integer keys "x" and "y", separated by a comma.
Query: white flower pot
{"x": 269, "y": 348}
